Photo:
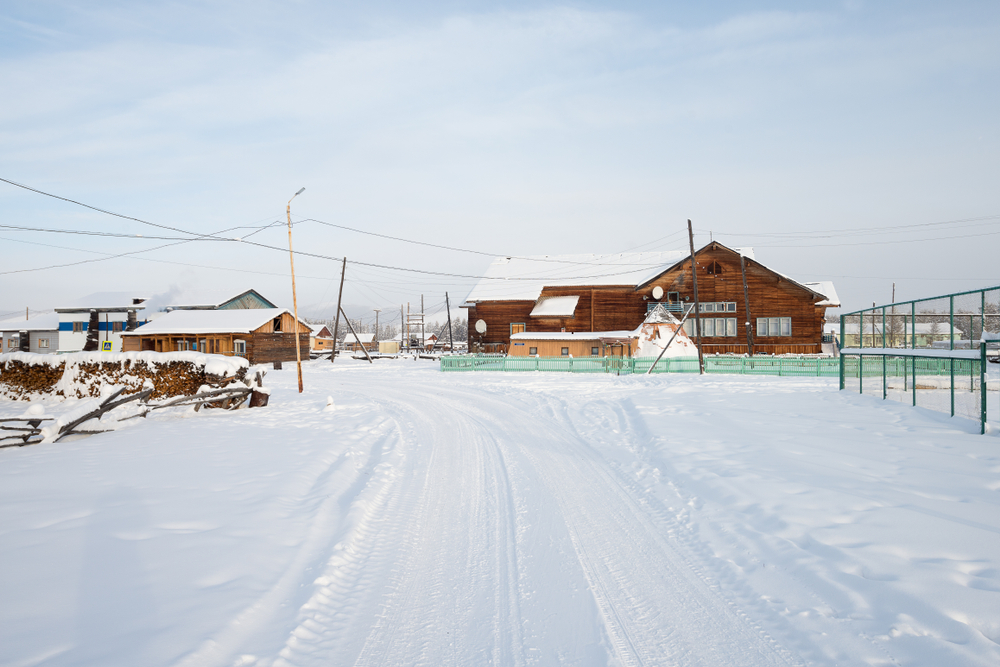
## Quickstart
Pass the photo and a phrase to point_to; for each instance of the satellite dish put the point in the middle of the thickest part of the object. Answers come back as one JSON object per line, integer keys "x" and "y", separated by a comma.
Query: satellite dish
{"x": 481, "y": 326}
{"x": 657, "y": 292}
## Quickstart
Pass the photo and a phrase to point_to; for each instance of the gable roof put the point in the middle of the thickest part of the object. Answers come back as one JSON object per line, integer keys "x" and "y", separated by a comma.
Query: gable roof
{"x": 750, "y": 261}
{"x": 209, "y": 321}
{"x": 219, "y": 299}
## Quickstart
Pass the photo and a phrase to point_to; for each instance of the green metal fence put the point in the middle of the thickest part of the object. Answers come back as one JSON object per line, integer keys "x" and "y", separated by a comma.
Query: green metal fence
{"x": 930, "y": 352}
{"x": 777, "y": 366}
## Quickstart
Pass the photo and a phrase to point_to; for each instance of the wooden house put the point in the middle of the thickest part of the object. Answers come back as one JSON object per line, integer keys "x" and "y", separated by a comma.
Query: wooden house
{"x": 594, "y": 293}
{"x": 354, "y": 343}
{"x": 320, "y": 338}
{"x": 262, "y": 335}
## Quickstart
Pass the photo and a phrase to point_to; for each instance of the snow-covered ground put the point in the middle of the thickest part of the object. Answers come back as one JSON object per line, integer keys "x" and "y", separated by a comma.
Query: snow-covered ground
{"x": 432, "y": 518}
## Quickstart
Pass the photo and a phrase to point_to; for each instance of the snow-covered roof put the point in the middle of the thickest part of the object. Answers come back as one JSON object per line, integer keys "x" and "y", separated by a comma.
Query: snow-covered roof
{"x": 360, "y": 338}
{"x": 103, "y": 301}
{"x": 571, "y": 335}
{"x": 207, "y": 298}
{"x": 522, "y": 278}
{"x": 826, "y": 288}
{"x": 44, "y": 322}
{"x": 209, "y": 321}
{"x": 555, "y": 306}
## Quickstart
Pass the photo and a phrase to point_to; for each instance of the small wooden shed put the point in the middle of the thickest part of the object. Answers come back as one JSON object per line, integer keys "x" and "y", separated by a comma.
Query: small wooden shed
{"x": 262, "y": 335}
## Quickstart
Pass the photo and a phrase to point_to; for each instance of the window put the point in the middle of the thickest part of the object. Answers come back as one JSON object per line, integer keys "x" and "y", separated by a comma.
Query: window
{"x": 43, "y": 343}
{"x": 117, "y": 327}
{"x": 673, "y": 297}
{"x": 276, "y": 324}
{"x": 532, "y": 350}
{"x": 516, "y": 327}
{"x": 595, "y": 351}
{"x": 717, "y": 307}
{"x": 564, "y": 352}
{"x": 79, "y": 327}
{"x": 714, "y": 269}
{"x": 240, "y": 348}
{"x": 12, "y": 342}
{"x": 712, "y": 326}
{"x": 774, "y": 326}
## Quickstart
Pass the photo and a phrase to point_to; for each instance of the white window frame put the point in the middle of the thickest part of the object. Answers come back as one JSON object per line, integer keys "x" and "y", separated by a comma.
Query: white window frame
{"x": 239, "y": 347}
{"x": 43, "y": 343}
{"x": 774, "y": 327}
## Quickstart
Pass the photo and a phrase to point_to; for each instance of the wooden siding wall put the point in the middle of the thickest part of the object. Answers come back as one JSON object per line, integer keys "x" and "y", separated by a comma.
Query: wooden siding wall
{"x": 262, "y": 348}
{"x": 624, "y": 308}
{"x": 577, "y": 348}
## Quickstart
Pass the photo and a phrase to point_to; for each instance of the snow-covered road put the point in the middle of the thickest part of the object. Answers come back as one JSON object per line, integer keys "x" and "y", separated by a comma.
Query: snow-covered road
{"x": 508, "y": 519}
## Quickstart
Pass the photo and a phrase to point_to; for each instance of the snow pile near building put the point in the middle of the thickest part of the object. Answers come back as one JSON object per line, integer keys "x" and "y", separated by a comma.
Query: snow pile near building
{"x": 27, "y": 376}
{"x": 657, "y": 329}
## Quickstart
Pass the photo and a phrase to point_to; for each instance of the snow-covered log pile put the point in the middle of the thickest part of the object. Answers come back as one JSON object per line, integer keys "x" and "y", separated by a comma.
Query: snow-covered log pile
{"x": 26, "y": 376}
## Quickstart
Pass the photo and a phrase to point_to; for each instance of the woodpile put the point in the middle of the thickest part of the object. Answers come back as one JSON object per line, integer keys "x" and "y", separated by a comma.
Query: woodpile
{"x": 19, "y": 380}
{"x": 87, "y": 378}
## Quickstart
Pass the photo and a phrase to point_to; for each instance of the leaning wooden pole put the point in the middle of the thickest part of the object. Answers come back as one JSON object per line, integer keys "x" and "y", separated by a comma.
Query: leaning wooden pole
{"x": 336, "y": 322}
{"x": 451, "y": 337}
{"x": 351, "y": 327}
{"x": 697, "y": 307}
{"x": 295, "y": 299}
{"x": 746, "y": 306}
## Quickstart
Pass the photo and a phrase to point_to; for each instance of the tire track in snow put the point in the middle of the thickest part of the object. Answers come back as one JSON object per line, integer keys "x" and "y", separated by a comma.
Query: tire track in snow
{"x": 460, "y": 569}
{"x": 657, "y": 607}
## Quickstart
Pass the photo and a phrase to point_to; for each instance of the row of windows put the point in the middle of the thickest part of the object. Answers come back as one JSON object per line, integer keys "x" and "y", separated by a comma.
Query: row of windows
{"x": 717, "y": 307}
{"x": 81, "y": 327}
{"x": 726, "y": 326}
{"x": 712, "y": 326}
{"x": 16, "y": 342}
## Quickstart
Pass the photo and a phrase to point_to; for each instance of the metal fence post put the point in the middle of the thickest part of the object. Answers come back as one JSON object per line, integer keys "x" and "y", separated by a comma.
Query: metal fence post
{"x": 982, "y": 389}
{"x": 913, "y": 346}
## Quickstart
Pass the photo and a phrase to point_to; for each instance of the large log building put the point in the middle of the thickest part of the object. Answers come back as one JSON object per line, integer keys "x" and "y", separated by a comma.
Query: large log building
{"x": 615, "y": 292}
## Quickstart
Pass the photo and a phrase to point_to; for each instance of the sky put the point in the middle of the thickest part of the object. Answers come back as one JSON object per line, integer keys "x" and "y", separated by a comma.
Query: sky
{"x": 854, "y": 141}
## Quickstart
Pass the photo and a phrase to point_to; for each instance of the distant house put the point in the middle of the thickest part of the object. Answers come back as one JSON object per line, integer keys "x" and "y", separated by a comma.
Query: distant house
{"x": 96, "y": 320}
{"x": 594, "y": 293}
{"x": 354, "y": 343}
{"x": 262, "y": 335}
{"x": 36, "y": 334}
{"x": 320, "y": 338}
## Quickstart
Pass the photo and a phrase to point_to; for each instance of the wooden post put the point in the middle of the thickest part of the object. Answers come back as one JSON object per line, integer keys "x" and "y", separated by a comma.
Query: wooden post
{"x": 451, "y": 337}
{"x": 375, "y": 339}
{"x": 746, "y": 306}
{"x": 697, "y": 308}
{"x": 336, "y": 322}
{"x": 295, "y": 300}
{"x": 351, "y": 326}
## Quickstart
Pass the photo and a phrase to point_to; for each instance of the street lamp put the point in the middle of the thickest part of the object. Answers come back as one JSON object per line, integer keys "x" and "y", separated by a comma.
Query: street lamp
{"x": 295, "y": 302}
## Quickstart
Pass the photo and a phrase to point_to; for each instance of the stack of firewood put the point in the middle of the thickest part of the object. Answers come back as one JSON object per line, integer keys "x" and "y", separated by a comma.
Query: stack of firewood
{"x": 19, "y": 379}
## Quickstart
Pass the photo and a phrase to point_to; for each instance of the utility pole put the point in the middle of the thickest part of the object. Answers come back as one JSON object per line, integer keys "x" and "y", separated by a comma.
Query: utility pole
{"x": 746, "y": 306}
{"x": 423, "y": 335}
{"x": 295, "y": 301}
{"x": 402, "y": 327}
{"x": 336, "y": 322}
{"x": 451, "y": 337}
{"x": 377, "y": 311}
{"x": 697, "y": 307}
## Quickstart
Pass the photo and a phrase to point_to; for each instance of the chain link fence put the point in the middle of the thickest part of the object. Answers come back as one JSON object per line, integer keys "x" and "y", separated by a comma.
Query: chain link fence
{"x": 934, "y": 353}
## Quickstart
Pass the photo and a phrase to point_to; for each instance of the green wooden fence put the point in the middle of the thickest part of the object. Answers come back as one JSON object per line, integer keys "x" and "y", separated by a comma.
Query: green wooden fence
{"x": 777, "y": 366}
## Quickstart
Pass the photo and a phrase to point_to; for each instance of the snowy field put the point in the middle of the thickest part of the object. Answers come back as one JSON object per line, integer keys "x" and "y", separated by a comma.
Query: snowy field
{"x": 432, "y": 518}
